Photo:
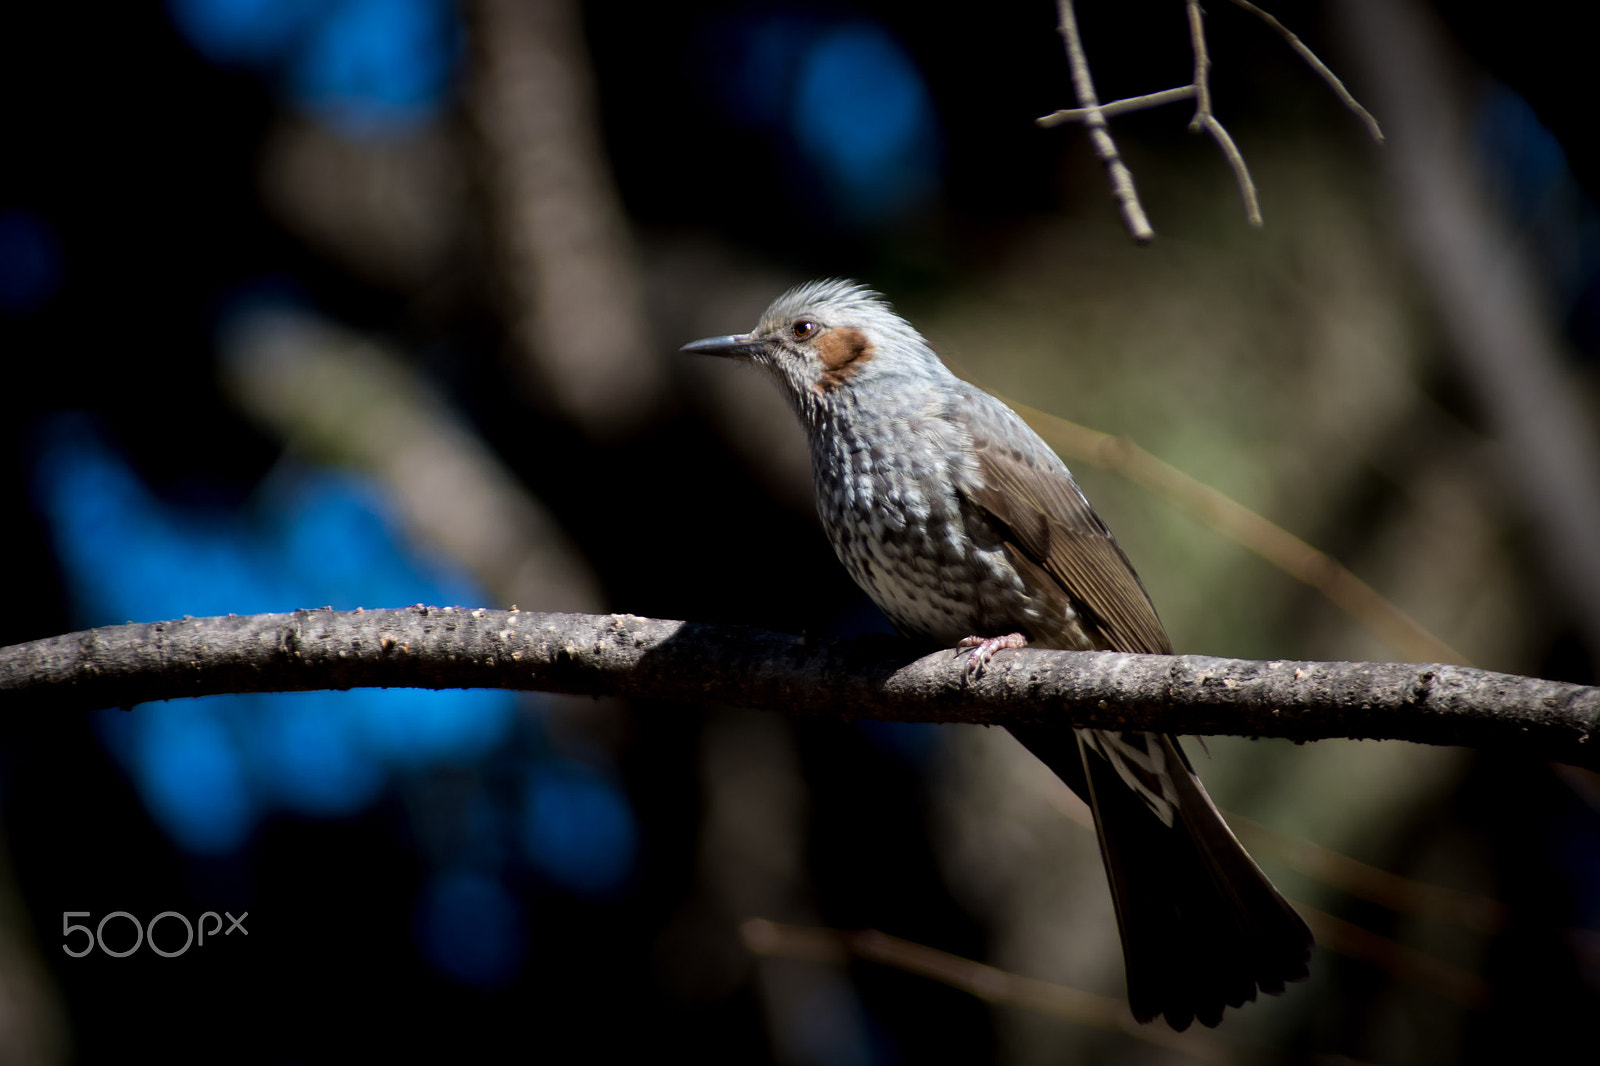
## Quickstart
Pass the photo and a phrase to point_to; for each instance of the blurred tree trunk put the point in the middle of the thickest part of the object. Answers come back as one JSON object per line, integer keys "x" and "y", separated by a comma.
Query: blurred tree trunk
{"x": 574, "y": 304}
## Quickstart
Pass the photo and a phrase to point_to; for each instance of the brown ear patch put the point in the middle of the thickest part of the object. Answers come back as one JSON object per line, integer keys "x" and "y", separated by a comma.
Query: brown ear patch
{"x": 841, "y": 352}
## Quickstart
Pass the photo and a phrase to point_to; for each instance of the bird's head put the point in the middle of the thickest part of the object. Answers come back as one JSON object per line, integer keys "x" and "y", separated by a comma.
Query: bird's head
{"x": 829, "y": 343}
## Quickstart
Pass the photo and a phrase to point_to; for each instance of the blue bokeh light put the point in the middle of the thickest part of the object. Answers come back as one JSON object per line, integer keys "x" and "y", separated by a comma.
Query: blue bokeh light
{"x": 30, "y": 261}
{"x": 189, "y": 772}
{"x": 304, "y": 751}
{"x": 362, "y": 67}
{"x": 471, "y": 928}
{"x": 759, "y": 57}
{"x": 374, "y": 65}
{"x": 913, "y": 743}
{"x": 842, "y": 100}
{"x": 1524, "y": 157}
{"x": 577, "y": 827}
{"x": 208, "y": 769}
{"x": 1554, "y": 220}
{"x": 864, "y": 117}
{"x": 245, "y": 32}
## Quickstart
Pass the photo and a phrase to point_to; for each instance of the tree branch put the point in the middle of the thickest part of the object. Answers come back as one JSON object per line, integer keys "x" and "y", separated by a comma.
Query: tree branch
{"x": 1093, "y": 114}
{"x": 574, "y": 301}
{"x": 624, "y": 655}
{"x": 1094, "y": 120}
{"x": 1328, "y": 76}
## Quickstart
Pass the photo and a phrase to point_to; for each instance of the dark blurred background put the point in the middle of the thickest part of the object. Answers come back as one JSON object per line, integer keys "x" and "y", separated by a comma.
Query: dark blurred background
{"x": 373, "y": 302}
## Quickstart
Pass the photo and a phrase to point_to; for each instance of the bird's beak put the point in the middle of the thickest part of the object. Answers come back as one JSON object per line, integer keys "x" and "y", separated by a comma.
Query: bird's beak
{"x": 733, "y": 346}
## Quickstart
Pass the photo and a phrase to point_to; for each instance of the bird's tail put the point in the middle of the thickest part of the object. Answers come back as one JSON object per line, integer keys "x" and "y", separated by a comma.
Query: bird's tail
{"x": 1202, "y": 927}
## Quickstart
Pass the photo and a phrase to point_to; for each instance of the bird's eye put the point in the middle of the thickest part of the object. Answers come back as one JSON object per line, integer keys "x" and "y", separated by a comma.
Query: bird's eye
{"x": 803, "y": 329}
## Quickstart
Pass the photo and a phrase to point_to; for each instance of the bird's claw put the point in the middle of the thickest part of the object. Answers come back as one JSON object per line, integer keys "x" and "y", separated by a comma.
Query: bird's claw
{"x": 983, "y": 649}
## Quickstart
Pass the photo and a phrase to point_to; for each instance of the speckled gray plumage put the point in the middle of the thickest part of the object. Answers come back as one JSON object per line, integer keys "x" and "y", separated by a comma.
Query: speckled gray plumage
{"x": 909, "y": 461}
{"x": 961, "y": 523}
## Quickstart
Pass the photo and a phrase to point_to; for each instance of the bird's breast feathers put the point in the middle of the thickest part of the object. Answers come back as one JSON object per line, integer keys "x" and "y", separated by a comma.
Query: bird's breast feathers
{"x": 910, "y": 539}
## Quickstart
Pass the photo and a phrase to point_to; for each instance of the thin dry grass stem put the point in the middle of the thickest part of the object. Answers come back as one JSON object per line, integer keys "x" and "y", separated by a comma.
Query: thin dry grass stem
{"x": 1350, "y": 876}
{"x": 1093, "y": 114}
{"x": 1328, "y": 76}
{"x": 763, "y": 937}
{"x": 1003, "y": 988}
{"x": 1355, "y": 878}
{"x": 1094, "y": 120}
{"x": 1396, "y": 959}
{"x": 1409, "y": 638}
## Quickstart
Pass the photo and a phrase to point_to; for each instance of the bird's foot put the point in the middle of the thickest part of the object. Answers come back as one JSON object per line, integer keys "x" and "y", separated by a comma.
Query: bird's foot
{"x": 983, "y": 649}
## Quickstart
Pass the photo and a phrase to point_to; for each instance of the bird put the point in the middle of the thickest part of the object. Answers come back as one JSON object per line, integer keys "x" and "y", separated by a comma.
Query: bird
{"x": 969, "y": 532}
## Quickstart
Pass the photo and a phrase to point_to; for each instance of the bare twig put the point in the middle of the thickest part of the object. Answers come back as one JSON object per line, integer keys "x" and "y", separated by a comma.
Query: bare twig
{"x": 1403, "y": 895}
{"x": 1001, "y": 987}
{"x": 1094, "y": 120}
{"x": 1241, "y": 173}
{"x": 992, "y": 985}
{"x": 1328, "y": 76}
{"x": 1401, "y": 960}
{"x": 1118, "y": 107}
{"x": 623, "y": 655}
{"x": 1355, "y": 878}
{"x": 1202, "y": 65}
{"x": 1093, "y": 114}
{"x": 1205, "y": 120}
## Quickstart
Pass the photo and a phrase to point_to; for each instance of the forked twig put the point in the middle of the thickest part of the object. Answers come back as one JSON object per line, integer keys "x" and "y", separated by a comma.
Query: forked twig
{"x": 1205, "y": 120}
{"x": 1094, "y": 114}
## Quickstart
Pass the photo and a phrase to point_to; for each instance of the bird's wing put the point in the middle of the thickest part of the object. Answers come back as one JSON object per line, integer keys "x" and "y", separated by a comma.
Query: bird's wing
{"x": 1202, "y": 928}
{"x": 1041, "y": 513}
